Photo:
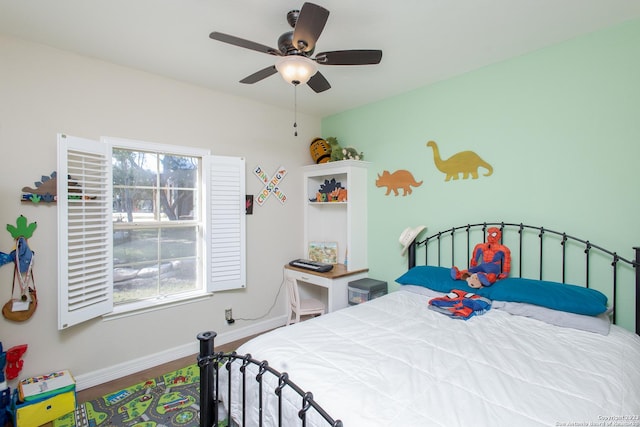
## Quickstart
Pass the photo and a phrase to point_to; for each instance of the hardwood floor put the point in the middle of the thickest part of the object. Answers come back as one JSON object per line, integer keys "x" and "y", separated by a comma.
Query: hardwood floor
{"x": 120, "y": 383}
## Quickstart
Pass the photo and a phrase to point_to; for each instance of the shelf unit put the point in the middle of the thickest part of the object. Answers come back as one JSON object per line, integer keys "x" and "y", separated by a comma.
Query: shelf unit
{"x": 342, "y": 222}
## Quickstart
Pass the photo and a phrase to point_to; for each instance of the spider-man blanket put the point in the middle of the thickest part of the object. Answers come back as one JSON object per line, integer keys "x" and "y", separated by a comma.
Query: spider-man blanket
{"x": 460, "y": 304}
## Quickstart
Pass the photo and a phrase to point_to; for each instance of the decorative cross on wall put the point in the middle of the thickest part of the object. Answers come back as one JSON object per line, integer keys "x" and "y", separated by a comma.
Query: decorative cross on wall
{"x": 270, "y": 185}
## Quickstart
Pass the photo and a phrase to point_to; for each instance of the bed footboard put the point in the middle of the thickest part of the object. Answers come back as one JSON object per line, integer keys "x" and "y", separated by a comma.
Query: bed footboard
{"x": 210, "y": 388}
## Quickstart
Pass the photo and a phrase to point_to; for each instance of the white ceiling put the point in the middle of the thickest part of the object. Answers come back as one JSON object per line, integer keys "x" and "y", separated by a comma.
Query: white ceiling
{"x": 423, "y": 41}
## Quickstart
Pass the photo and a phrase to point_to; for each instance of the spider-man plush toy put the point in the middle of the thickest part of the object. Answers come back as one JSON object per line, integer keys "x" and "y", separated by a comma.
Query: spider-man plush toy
{"x": 490, "y": 261}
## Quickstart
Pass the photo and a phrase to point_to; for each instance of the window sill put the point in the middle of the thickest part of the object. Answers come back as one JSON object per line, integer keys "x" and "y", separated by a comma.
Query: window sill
{"x": 134, "y": 309}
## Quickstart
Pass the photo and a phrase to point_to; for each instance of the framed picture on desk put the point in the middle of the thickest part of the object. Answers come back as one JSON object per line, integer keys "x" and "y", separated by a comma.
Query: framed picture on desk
{"x": 326, "y": 252}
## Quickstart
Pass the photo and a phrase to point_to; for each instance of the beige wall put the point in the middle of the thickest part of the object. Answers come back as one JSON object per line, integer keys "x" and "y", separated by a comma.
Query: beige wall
{"x": 44, "y": 91}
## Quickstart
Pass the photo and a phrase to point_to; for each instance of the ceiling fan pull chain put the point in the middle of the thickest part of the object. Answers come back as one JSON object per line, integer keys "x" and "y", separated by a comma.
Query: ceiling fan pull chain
{"x": 295, "y": 109}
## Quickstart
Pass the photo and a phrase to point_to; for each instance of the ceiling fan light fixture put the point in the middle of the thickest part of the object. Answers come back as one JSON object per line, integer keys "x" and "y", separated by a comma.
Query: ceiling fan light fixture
{"x": 296, "y": 69}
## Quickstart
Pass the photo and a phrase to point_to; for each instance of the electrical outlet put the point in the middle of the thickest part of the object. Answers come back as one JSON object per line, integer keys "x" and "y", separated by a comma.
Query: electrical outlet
{"x": 228, "y": 315}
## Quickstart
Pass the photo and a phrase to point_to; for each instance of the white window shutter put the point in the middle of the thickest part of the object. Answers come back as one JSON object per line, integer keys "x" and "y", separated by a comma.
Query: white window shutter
{"x": 226, "y": 223}
{"x": 84, "y": 199}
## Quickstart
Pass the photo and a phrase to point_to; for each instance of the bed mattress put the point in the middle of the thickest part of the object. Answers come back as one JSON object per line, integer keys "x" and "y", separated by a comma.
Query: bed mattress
{"x": 392, "y": 361}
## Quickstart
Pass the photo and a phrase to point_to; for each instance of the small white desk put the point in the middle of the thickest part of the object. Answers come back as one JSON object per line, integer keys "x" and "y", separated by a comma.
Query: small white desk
{"x": 335, "y": 281}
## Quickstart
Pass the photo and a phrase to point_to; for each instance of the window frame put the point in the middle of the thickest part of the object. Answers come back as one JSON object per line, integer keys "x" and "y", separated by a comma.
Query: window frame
{"x": 202, "y": 154}
{"x": 217, "y": 199}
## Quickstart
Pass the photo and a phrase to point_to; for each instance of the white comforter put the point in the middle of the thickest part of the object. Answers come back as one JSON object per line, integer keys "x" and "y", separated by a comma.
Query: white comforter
{"x": 392, "y": 361}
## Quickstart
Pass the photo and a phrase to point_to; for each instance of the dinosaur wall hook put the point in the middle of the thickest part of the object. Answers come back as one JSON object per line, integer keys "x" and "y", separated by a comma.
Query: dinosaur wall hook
{"x": 45, "y": 190}
{"x": 21, "y": 308}
{"x": 20, "y": 233}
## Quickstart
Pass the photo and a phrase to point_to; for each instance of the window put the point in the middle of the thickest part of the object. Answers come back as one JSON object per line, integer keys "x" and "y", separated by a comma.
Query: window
{"x": 145, "y": 224}
{"x": 156, "y": 225}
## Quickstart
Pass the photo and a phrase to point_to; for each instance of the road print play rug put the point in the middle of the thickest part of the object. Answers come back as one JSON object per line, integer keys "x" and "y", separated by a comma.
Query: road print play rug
{"x": 168, "y": 400}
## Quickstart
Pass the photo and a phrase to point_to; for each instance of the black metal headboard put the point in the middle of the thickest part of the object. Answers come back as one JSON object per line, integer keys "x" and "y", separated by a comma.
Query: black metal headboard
{"x": 521, "y": 234}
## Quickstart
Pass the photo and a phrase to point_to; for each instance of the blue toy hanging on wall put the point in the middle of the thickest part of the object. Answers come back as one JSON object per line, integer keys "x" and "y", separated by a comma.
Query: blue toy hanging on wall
{"x": 21, "y": 308}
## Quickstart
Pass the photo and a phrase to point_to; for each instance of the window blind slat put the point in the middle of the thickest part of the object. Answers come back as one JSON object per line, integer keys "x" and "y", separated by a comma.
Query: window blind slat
{"x": 84, "y": 224}
{"x": 226, "y": 261}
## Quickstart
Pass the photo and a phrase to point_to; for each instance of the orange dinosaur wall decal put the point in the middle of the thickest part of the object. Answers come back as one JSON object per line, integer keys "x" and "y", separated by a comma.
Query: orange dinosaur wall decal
{"x": 400, "y": 179}
{"x": 464, "y": 162}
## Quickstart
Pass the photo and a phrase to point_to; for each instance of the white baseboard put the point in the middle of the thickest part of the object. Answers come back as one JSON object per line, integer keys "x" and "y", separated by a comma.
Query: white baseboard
{"x": 91, "y": 379}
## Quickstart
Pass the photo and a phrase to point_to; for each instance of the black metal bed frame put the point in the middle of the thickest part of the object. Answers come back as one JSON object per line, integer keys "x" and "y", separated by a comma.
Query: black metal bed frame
{"x": 542, "y": 233}
{"x": 210, "y": 363}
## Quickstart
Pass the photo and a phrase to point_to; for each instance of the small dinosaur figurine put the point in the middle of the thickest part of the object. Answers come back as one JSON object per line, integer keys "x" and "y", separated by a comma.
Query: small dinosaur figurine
{"x": 340, "y": 153}
{"x": 331, "y": 191}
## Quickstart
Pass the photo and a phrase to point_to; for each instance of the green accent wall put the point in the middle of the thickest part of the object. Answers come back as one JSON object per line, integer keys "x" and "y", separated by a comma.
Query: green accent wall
{"x": 560, "y": 126}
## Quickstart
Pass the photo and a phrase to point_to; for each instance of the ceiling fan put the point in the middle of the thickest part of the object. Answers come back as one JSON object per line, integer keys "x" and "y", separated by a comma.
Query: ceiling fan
{"x": 295, "y": 49}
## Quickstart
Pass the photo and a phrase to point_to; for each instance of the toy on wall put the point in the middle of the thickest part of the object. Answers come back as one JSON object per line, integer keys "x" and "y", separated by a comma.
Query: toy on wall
{"x": 464, "y": 162}
{"x": 248, "y": 204}
{"x": 21, "y": 308}
{"x": 14, "y": 361}
{"x": 400, "y": 179}
{"x": 46, "y": 190}
{"x": 271, "y": 185}
{"x": 490, "y": 262}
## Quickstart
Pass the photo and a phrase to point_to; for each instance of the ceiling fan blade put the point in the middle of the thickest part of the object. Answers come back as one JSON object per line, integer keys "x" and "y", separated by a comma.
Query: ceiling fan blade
{"x": 349, "y": 57}
{"x": 259, "y": 75}
{"x": 247, "y": 44}
{"x": 311, "y": 22}
{"x": 318, "y": 83}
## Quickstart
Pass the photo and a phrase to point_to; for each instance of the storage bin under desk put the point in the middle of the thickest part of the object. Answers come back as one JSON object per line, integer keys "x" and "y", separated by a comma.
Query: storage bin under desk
{"x": 364, "y": 290}
{"x": 335, "y": 282}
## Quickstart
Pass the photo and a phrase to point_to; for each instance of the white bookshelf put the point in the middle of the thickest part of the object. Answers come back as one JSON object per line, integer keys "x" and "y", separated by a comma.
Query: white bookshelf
{"x": 342, "y": 222}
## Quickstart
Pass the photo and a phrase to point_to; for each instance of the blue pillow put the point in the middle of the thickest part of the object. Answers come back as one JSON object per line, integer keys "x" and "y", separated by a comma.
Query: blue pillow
{"x": 435, "y": 278}
{"x": 557, "y": 296}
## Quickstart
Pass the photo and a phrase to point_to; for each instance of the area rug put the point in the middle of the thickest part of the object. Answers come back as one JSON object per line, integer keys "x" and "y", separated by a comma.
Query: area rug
{"x": 168, "y": 400}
